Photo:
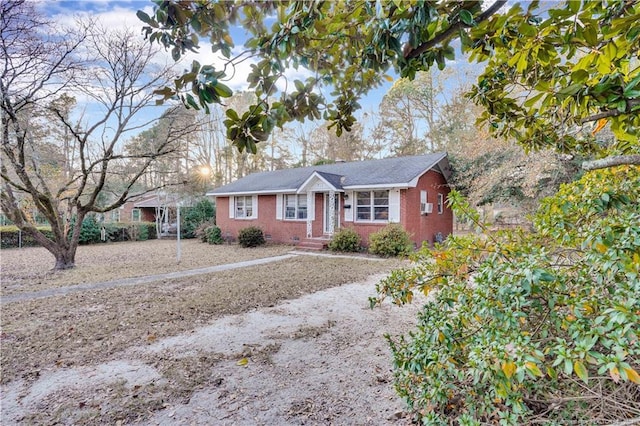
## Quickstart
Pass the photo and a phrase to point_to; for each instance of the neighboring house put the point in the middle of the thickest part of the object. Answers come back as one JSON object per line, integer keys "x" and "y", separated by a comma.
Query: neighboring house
{"x": 158, "y": 208}
{"x": 142, "y": 209}
{"x": 300, "y": 204}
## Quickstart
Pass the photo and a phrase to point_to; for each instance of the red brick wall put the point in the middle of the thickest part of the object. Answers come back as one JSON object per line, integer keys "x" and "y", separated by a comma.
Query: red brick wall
{"x": 284, "y": 231}
{"x": 425, "y": 227}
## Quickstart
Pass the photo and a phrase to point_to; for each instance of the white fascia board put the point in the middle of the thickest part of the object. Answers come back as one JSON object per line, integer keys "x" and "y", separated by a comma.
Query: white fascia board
{"x": 380, "y": 186}
{"x": 316, "y": 175}
{"x": 265, "y": 192}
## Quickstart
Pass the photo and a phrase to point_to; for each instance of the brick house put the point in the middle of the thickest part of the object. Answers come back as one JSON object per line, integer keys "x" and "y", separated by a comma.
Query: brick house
{"x": 310, "y": 203}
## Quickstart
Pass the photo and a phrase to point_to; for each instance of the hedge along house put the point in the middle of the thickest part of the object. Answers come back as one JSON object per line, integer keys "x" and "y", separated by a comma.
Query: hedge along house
{"x": 307, "y": 205}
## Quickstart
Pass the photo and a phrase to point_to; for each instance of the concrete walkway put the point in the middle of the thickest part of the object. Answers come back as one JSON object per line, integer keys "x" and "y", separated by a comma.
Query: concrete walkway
{"x": 61, "y": 291}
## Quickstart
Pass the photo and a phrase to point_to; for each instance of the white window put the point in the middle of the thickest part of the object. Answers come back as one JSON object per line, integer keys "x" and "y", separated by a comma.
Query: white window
{"x": 244, "y": 207}
{"x": 372, "y": 206}
{"x": 136, "y": 215}
{"x": 295, "y": 206}
{"x": 440, "y": 203}
{"x": 115, "y": 215}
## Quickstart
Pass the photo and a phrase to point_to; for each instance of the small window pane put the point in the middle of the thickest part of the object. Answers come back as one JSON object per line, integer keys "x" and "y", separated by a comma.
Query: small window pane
{"x": 302, "y": 213}
{"x": 381, "y": 213}
{"x": 364, "y": 213}
{"x": 363, "y": 198}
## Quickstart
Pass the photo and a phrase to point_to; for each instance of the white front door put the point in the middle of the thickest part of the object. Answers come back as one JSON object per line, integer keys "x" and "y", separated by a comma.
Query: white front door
{"x": 331, "y": 225}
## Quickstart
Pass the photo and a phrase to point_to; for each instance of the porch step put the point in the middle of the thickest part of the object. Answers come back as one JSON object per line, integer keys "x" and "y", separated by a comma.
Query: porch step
{"x": 314, "y": 244}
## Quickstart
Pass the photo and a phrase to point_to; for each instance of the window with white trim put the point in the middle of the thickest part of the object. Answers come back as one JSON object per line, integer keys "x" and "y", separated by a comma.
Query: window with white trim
{"x": 244, "y": 206}
{"x": 372, "y": 206}
{"x": 295, "y": 206}
{"x": 136, "y": 215}
{"x": 115, "y": 215}
{"x": 440, "y": 203}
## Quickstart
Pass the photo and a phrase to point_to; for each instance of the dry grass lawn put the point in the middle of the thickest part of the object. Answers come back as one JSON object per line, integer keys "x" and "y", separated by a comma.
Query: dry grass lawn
{"x": 94, "y": 326}
{"x": 30, "y": 269}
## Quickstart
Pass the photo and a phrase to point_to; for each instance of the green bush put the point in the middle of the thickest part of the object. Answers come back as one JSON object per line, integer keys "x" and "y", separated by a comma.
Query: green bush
{"x": 523, "y": 325}
{"x": 89, "y": 231}
{"x": 203, "y": 211}
{"x": 392, "y": 240}
{"x": 251, "y": 237}
{"x": 201, "y": 230}
{"x": 12, "y": 237}
{"x": 345, "y": 240}
{"x": 214, "y": 235}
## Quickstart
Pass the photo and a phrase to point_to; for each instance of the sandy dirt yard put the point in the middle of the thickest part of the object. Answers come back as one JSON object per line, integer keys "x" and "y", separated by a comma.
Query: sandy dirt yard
{"x": 272, "y": 346}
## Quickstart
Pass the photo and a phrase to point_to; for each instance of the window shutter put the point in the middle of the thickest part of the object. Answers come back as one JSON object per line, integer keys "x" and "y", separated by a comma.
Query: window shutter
{"x": 423, "y": 196}
{"x": 254, "y": 201}
{"x": 279, "y": 206}
{"x": 394, "y": 205}
{"x": 348, "y": 213}
{"x": 231, "y": 207}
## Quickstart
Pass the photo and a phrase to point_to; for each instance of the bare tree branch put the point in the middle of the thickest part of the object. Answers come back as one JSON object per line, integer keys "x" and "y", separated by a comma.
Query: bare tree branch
{"x": 617, "y": 160}
{"x": 631, "y": 103}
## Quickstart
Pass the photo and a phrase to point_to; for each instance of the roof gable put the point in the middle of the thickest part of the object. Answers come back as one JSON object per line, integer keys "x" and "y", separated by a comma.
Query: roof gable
{"x": 387, "y": 172}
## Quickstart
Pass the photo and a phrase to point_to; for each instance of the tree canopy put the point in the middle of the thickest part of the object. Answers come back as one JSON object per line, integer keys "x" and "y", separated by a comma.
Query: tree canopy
{"x": 555, "y": 73}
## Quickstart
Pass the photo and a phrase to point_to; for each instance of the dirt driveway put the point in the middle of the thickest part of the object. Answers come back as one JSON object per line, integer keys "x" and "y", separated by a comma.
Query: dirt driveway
{"x": 136, "y": 356}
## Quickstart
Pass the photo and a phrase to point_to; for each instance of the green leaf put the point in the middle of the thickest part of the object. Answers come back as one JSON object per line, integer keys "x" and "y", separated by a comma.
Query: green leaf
{"x": 579, "y": 76}
{"x": 223, "y": 91}
{"x": 581, "y": 371}
{"x": 467, "y": 17}
{"x": 232, "y": 114}
{"x": 590, "y": 35}
{"x": 144, "y": 18}
{"x": 631, "y": 85}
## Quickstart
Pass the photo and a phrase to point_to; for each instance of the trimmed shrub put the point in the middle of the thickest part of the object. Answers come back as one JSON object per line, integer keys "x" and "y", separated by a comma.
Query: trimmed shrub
{"x": 12, "y": 237}
{"x": 392, "y": 240}
{"x": 214, "y": 235}
{"x": 346, "y": 239}
{"x": 251, "y": 237}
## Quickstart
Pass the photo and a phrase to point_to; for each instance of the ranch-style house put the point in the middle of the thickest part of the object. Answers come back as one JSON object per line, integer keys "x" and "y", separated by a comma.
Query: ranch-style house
{"x": 307, "y": 205}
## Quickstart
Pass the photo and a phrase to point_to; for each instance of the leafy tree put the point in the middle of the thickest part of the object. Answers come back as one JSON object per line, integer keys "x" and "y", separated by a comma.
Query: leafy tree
{"x": 64, "y": 172}
{"x": 550, "y": 74}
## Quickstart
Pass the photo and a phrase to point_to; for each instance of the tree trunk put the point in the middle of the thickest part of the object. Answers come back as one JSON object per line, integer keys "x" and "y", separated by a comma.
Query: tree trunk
{"x": 65, "y": 259}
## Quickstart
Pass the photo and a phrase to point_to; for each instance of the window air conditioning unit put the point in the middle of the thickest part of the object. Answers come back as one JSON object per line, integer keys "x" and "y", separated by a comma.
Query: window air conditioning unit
{"x": 426, "y": 208}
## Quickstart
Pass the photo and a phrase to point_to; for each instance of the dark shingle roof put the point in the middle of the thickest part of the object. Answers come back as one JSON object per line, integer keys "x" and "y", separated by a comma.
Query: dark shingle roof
{"x": 395, "y": 171}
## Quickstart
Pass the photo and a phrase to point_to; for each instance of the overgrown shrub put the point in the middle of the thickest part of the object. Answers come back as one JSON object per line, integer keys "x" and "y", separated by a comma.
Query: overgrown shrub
{"x": 251, "y": 236}
{"x": 346, "y": 240}
{"x": 392, "y": 240}
{"x": 214, "y": 235}
{"x": 203, "y": 211}
{"x": 201, "y": 230}
{"x": 524, "y": 325}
